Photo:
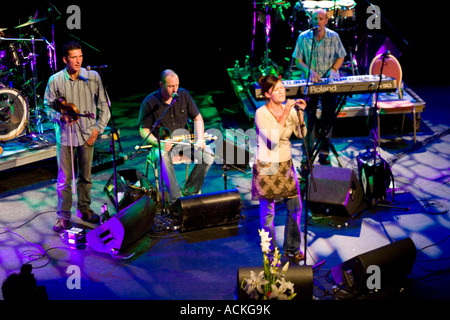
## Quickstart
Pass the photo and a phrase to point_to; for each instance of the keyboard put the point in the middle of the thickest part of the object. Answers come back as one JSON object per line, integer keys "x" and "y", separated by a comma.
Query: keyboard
{"x": 345, "y": 85}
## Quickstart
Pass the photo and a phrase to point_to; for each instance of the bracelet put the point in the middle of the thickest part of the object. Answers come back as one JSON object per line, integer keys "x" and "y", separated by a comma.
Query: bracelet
{"x": 334, "y": 68}
{"x": 303, "y": 125}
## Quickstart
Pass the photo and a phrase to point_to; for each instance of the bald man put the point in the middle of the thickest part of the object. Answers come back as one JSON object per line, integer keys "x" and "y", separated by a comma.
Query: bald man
{"x": 319, "y": 53}
{"x": 174, "y": 106}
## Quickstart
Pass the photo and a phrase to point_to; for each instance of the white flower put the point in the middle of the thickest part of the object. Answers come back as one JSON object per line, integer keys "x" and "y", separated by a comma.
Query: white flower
{"x": 269, "y": 283}
{"x": 275, "y": 261}
{"x": 254, "y": 285}
{"x": 265, "y": 241}
{"x": 285, "y": 285}
{"x": 277, "y": 294}
{"x": 285, "y": 268}
{"x": 282, "y": 290}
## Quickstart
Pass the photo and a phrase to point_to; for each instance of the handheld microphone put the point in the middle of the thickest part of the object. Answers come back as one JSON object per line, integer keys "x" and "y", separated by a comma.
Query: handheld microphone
{"x": 297, "y": 108}
{"x": 89, "y": 68}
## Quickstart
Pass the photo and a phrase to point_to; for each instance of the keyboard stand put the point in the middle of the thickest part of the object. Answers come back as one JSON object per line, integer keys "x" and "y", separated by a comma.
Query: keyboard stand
{"x": 324, "y": 133}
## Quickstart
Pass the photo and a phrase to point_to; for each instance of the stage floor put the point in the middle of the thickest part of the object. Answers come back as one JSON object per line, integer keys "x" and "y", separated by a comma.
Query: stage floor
{"x": 203, "y": 264}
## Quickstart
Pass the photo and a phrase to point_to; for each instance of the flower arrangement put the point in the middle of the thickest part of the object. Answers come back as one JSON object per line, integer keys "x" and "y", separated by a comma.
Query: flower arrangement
{"x": 270, "y": 283}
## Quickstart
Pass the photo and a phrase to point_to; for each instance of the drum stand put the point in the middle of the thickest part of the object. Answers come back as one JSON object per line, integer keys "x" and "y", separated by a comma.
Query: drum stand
{"x": 265, "y": 67}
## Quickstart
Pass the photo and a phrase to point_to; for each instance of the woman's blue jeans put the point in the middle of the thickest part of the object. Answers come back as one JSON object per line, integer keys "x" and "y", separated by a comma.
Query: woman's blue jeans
{"x": 292, "y": 234}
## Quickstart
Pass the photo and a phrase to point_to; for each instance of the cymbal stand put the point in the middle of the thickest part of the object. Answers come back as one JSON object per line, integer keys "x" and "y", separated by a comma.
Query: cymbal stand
{"x": 51, "y": 54}
{"x": 50, "y": 47}
{"x": 34, "y": 82}
{"x": 267, "y": 28}
{"x": 267, "y": 38}
{"x": 52, "y": 11}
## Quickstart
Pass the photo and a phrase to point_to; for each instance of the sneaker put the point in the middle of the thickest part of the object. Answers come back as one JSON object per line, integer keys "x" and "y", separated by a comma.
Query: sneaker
{"x": 295, "y": 257}
{"x": 62, "y": 224}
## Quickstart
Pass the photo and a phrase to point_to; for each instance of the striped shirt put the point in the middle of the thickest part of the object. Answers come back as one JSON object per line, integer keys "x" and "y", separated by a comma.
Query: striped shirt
{"x": 87, "y": 94}
{"x": 325, "y": 52}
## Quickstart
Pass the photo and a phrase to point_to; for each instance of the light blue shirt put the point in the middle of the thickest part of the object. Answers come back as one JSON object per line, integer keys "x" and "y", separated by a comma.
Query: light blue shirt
{"x": 87, "y": 94}
{"x": 325, "y": 52}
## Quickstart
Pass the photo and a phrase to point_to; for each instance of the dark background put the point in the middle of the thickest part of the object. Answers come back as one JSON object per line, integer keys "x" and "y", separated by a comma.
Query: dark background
{"x": 200, "y": 39}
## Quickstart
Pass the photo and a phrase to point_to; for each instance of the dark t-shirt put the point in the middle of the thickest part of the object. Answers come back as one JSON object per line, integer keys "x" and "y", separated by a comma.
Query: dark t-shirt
{"x": 153, "y": 107}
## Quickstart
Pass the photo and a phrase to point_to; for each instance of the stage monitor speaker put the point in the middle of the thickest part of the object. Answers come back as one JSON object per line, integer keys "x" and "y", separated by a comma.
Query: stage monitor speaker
{"x": 338, "y": 191}
{"x": 131, "y": 186}
{"x": 300, "y": 276}
{"x": 395, "y": 262}
{"x": 207, "y": 210}
{"x": 124, "y": 228}
{"x": 235, "y": 149}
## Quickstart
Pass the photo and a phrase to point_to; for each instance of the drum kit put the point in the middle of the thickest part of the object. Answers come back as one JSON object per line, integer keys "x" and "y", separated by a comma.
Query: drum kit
{"x": 18, "y": 68}
{"x": 341, "y": 18}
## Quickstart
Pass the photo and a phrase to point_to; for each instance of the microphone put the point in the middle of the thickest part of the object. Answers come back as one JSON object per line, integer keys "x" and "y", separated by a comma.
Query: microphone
{"x": 175, "y": 96}
{"x": 298, "y": 109}
{"x": 89, "y": 68}
{"x": 313, "y": 29}
{"x": 386, "y": 54}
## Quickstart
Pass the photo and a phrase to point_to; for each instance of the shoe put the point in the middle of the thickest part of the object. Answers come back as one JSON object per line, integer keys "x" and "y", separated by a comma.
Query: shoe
{"x": 296, "y": 258}
{"x": 62, "y": 224}
{"x": 304, "y": 171}
{"x": 89, "y": 216}
{"x": 324, "y": 160}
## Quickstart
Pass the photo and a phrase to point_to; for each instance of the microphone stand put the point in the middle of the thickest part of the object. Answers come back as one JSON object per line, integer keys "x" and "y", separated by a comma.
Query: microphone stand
{"x": 309, "y": 176}
{"x": 374, "y": 132}
{"x": 158, "y": 139}
{"x": 114, "y": 134}
{"x": 313, "y": 43}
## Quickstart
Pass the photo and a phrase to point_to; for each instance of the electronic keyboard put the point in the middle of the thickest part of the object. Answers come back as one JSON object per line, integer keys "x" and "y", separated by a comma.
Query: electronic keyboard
{"x": 345, "y": 85}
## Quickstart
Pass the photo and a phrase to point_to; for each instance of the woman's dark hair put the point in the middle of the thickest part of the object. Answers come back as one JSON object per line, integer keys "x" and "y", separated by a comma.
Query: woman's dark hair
{"x": 71, "y": 45}
{"x": 267, "y": 82}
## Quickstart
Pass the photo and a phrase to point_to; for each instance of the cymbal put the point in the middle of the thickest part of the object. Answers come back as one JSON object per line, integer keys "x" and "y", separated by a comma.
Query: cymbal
{"x": 3, "y": 29}
{"x": 29, "y": 22}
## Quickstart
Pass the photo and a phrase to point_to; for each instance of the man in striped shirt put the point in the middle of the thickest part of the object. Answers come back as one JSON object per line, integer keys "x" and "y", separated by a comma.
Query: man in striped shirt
{"x": 84, "y": 89}
{"x": 319, "y": 53}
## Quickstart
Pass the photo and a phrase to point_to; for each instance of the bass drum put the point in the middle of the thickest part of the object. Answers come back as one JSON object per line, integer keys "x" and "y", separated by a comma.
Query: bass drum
{"x": 13, "y": 113}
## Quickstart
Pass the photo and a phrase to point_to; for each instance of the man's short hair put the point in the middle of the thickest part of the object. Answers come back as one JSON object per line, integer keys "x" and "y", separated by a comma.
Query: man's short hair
{"x": 71, "y": 45}
{"x": 167, "y": 73}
